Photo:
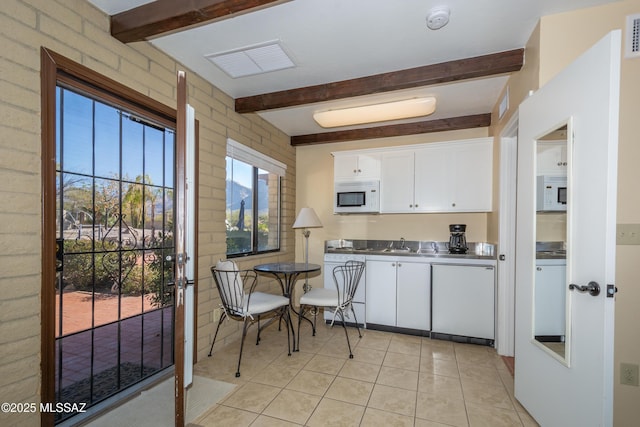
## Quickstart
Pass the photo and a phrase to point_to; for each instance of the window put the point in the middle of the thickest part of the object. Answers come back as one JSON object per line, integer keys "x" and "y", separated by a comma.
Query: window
{"x": 253, "y": 201}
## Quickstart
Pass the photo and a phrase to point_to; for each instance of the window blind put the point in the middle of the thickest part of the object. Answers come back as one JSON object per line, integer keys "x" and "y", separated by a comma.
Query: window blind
{"x": 255, "y": 158}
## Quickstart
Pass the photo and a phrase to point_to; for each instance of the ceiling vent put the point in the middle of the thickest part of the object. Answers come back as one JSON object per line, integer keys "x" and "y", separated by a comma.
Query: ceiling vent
{"x": 632, "y": 39}
{"x": 251, "y": 60}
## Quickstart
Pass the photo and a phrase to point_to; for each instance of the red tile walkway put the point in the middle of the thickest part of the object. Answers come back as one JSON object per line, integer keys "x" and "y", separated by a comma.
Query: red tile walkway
{"x": 77, "y": 307}
{"x": 146, "y": 340}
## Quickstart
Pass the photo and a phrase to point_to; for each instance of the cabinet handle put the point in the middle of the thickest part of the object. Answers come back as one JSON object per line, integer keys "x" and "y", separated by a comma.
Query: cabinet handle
{"x": 453, "y": 204}
{"x": 393, "y": 264}
{"x": 410, "y": 206}
{"x": 539, "y": 268}
{"x": 399, "y": 265}
{"x": 355, "y": 171}
{"x": 359, "y": 170}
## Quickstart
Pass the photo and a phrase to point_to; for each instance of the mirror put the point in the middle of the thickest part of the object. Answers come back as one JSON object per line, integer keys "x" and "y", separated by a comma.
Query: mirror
{"x": 550, "y": 323}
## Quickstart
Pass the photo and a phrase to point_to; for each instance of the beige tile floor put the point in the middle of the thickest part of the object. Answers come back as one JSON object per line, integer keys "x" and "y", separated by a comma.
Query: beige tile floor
{"x": 393, "y": 380}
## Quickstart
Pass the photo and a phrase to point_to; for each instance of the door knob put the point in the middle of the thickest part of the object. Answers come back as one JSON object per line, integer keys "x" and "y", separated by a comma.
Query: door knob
{"x": 592, "y": 287}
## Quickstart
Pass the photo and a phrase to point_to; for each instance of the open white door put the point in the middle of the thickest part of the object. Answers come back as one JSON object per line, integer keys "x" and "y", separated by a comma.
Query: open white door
{"x": 185, "y": 248}
{"x": 573, "y": 387}
{"x": 189, "y": 321}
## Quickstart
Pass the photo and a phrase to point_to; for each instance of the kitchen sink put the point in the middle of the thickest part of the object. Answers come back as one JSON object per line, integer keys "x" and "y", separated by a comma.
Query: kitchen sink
{"x": 397, "y": 250}
{"x": 427, "y": 249}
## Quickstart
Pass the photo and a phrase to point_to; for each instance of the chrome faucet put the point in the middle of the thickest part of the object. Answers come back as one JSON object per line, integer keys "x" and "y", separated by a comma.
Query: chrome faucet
{"x": 402, "y": 243}
{"x": 434, "y": 246}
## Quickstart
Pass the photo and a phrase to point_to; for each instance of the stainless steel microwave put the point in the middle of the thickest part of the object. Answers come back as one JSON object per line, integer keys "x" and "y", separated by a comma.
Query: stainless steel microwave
{"x": 551, "y": 193}
{"x": 356, "y": 197}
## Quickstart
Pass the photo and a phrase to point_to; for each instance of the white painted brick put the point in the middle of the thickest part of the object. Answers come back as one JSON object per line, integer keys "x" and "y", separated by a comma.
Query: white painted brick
{"x": 20, "y": 119}
{"x": 16, "y": 330}
{"x": 60, "y": 13}
{"x": 19, "y": 308}
{"x": 19, "y": 287}
{"x": 18, "y": 11}
{"x": 20, "y": 369}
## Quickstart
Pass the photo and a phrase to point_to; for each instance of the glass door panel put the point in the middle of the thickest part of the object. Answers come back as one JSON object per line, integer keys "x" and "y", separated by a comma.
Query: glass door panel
{"x": 114, "y": 206}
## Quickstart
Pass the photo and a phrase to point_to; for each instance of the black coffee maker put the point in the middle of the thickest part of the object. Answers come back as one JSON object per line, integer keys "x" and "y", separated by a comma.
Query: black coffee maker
{"x": 457, "y": 240}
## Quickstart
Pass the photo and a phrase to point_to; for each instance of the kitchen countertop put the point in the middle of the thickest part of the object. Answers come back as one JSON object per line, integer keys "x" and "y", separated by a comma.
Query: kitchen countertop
{"x": 424, "y": 249}
{"x": 551, "y": 250}
{"x": 551, "y": 255}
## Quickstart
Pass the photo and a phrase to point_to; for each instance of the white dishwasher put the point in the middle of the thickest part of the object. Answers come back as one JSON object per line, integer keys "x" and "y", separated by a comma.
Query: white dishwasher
{"x": 463, "y": 301}
{"x": 332, "y": 260}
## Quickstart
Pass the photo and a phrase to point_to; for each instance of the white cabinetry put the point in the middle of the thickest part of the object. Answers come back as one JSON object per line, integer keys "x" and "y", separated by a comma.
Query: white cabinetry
{"x": 397, "y": 182}
{"x": 358, "y": 304}
{"x": 551, "y": 157}
{"x": 398, "y": 293}
{"x": 471, "y": 180}
{"x": 381, "y": 292}
{"x": 451, "y": 176}
{"x": 413, "y": 295}
{"x": 463, "y": 300}
{"x": 356, "y": 166}
{"x": 550, "y": 299}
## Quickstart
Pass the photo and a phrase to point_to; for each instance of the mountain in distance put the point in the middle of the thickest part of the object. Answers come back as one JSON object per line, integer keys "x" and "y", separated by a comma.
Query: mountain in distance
{"x": 236, "y": 192}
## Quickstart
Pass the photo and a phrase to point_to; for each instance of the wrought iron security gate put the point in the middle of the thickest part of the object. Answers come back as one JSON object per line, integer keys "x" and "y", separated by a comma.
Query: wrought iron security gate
{"x": 114, "y": 230}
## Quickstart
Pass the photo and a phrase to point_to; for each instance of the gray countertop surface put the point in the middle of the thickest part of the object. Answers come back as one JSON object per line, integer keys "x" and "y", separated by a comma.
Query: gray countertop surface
{"x": 432, "y": 249}
{"x": 425, "y": 249}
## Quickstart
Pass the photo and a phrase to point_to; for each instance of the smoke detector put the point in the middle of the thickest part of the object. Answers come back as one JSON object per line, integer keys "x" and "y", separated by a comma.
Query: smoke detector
{"x": 438, "y": 17}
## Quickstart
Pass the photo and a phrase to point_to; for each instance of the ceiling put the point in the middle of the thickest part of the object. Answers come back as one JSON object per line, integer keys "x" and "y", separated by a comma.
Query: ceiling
{"x": 338, "y": 40}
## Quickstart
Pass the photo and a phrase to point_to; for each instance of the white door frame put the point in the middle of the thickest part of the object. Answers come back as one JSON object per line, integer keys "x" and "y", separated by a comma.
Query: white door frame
{"x": 505, "y": 336}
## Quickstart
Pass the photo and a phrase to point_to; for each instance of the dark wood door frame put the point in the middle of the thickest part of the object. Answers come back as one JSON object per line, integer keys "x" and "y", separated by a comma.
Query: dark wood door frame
{"x": 56, "y": 68}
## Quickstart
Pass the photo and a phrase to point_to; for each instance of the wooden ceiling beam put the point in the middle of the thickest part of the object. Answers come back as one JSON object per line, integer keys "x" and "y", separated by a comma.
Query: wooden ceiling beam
{"x": 439, "y": 125}
{"x": 163, "y": 16}
{"x": 461, "y": 69}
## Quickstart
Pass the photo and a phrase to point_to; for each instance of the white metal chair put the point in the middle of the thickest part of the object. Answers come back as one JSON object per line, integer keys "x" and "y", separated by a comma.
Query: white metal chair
{"x": 346, "y": 278}
{"x": 245, "y": 306}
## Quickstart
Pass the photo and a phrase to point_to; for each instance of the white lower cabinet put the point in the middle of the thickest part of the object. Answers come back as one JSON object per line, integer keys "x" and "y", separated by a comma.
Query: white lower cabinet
{"x": 358, "y": 303}
{"x": 550, "y": 299}
{"x": 398, "y": 293}
{"x": 463, "y": 300}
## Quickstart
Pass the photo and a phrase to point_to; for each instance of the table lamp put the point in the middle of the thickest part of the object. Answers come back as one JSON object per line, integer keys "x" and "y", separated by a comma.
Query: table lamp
{"x": 306, "y": 219}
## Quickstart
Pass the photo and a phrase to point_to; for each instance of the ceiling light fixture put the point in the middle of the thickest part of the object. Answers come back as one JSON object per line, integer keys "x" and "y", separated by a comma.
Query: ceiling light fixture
{"x": 405, "y": 109}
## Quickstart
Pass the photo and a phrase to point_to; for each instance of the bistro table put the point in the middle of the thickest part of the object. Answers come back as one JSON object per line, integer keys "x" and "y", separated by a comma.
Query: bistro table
{"x": 287, "y": 274}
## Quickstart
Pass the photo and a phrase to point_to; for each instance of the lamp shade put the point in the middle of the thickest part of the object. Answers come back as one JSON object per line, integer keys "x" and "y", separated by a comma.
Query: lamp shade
{"x": 307, "y": 218}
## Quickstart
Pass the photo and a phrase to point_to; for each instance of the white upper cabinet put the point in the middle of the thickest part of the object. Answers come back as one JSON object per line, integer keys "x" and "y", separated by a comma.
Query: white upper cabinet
{"x": 355, "y": 166}
{"x": 551, "y": 157}
{"x": 432, "y": 178}
{"x": 396, "y": 182}
{"x": 451, "y": 176}
{"x": 472, "y": 177}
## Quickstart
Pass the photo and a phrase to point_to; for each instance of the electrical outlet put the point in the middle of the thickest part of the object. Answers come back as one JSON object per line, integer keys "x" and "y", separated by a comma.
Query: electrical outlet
{"x": 629, "y": 374}
{"x": 628, "y": 234}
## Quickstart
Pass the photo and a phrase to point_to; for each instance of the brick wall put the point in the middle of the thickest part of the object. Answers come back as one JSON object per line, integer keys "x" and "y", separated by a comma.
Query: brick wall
{"x": 74, "y": 28}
